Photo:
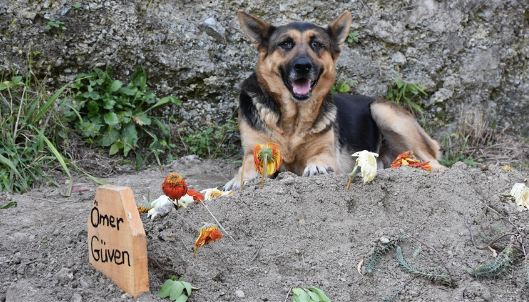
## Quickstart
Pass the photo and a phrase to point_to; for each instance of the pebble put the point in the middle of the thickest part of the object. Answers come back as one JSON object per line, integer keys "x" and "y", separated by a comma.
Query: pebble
{"x": 64, "y": 275}
{"x": 384, "y": 240}
{"x": 239, "y": 293}
{"x": 76, "y": 298}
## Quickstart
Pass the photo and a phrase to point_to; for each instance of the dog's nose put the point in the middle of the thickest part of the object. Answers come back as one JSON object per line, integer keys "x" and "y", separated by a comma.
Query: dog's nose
{"x": 302, "y": 65}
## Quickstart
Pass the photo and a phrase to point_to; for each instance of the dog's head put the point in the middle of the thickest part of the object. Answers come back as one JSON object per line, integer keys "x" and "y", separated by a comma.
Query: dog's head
{"x": 297, "y": 59}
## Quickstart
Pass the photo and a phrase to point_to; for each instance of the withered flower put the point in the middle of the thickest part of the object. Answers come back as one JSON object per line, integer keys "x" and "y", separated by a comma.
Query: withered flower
{"x": 408, "y": 159}
{"x": 208, "y": 233}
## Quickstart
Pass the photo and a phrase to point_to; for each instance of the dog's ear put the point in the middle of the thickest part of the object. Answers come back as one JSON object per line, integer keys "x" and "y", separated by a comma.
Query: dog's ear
{"x": 339, "y": 29}
{"x": 256, "y": 29}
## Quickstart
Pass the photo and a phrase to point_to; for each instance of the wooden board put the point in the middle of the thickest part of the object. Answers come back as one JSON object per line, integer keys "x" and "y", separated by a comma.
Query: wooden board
{"x": 117, "y": 245}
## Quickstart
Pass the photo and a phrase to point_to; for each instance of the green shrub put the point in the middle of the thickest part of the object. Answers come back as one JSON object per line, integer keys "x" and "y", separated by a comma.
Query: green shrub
{"x": 29, "y": 126}
{"x": 214, "y": 141}
{"x": 342, "y": 87}
{"x": 114, "y": 115}
{"x": 52, "y": 23}
{"x": 403, "y": 93}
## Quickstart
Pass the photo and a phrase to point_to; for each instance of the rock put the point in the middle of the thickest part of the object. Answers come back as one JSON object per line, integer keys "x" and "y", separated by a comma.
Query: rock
{"x": 64, "y": 275}
{"x": 398, "y": 58}
{"x": 76, "y": 298}
{"x": 213, "y": 29}
{"x": 239, "y": 293}
{"x": 384, "y": 240}
{"x": 201, "y": 57}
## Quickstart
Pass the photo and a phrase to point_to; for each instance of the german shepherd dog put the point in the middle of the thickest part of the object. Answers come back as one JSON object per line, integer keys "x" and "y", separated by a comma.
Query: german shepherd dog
{"x": 287, "y": 101}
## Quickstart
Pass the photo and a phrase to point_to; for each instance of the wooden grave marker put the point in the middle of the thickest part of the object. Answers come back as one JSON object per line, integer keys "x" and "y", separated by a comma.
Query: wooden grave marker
{"x": 117, "y": 245}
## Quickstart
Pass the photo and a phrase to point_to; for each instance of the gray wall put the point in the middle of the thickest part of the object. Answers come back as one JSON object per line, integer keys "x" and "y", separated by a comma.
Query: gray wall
{"x": 469, "y": 54}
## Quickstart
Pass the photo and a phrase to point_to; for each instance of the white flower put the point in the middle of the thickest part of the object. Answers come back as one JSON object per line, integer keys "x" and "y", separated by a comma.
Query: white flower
{"x": 213, "y": 193}
{"x": 185, "y": 201}
{"x": 368, "y": 163}
{"x": 521, "y": 194}
{"x": 161, "y": 206}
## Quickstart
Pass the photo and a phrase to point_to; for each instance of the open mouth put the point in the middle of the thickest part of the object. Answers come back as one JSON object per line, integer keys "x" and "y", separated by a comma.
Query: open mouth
{"x": 300, "y": 88}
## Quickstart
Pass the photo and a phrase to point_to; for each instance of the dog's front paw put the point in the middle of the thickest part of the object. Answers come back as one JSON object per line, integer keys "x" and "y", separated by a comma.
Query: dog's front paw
{"x": 316, "y": 170}
{"x": 233, "y": 184}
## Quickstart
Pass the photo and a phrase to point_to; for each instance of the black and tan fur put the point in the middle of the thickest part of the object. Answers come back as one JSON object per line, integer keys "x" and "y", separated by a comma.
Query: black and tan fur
{"x": 287, "y": 100}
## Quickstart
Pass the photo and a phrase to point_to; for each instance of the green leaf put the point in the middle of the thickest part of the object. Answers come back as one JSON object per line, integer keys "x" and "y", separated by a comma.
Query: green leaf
{"x": 139, "y": 78}
{"x": 128, "y": 91}
{"x": 111, "y": 118}
{"x": 48, "y": 104}
{"x": 60, "y": 158}
{"x": 165, "y": 290}
{"x": 115, "y": 148}
{"x": 314, "y": 297}
{"x": 92, "y": 107}
{"x": 94, "y": 179}
{"x": 304, "y": 296}
{"x": 141, "y": 119}
{"x": 181, "y": 298}
{"x": 188, "y": 287}
{"x": 295, "y": 298}
{"x": 165, "y": 100}
{"x": 320, "y": 293}
{"x": 139, "y": 162}
{"x": 10, "y": 204}
{"x": 10, "y": 164}
{"x": 115, "y": 86}
{"x": 108, "y": 137}
{"x": 399, "y": 82}
{"x": 176, "y": 290}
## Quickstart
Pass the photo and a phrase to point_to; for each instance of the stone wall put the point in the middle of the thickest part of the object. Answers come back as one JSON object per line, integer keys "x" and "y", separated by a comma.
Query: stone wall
{"x": 469, "y": 54}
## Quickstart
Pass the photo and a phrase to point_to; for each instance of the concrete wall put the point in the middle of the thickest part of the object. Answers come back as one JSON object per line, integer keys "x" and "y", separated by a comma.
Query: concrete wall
{"x": 469, "y": 54}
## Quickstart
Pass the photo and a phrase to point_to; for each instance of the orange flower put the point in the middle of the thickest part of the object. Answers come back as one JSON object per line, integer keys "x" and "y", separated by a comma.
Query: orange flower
{"x": 208, "y": 233}
{"x": 408, "y": 159}
{"x": 273, "y": 158}
{"x": 174, "y": 186}
{"x": 198, "y": 197}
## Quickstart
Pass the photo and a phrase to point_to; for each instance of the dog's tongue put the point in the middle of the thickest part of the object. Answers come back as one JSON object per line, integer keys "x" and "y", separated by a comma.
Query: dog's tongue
{"x": 301, "y": 86}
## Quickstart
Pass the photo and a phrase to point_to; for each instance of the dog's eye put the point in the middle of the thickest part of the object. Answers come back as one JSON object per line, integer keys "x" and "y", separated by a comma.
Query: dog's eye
{"x": 286, "y": 45}
{"x": 316, "y": 44}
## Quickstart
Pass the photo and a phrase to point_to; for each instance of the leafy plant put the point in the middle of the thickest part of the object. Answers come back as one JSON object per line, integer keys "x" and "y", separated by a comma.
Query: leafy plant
{"x": 381, "y": 250}
{"x": 352, "y": 37}
{"x": 77, "y": 7}
{"x": 52, "y": 23}
{"x": 114, "y": 115}
{"x": 175, "y": 290}
{"x": 29, "y": 125}
{"x": 214, "y": 141}
{"x": 403, "y": 92}
{"x": 342, "y": 87}
{"x": 433, "y": 275}
{"x": 309, "y": 294}
{"x": 455, "y": 145}
{"x": 9, "y": 204}
{"x": 495, "y": 269}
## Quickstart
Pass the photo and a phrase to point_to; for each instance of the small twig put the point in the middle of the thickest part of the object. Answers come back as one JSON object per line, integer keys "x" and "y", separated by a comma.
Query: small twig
{"x": 217, "y": 220}
{"x": 164, "y": 269}
{"x": 288, "y": 294}
{"x": 490, "y": 244}
{"x": 264, "y": 172}
{"x": 257, "y": 253}
{"x": 242, "y": 173}
{"x": 452, "y": 283}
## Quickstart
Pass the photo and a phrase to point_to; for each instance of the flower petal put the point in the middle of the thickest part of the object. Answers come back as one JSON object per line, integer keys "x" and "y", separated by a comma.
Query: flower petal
{"x": 368, "y": 163}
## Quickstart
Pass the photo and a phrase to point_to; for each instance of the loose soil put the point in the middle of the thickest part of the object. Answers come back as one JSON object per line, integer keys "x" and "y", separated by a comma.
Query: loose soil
{"x": 294, "y": 232}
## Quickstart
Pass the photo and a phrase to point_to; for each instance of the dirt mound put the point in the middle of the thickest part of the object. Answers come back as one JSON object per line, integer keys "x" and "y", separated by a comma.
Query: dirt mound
{"x": 295, "y": 232}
